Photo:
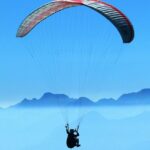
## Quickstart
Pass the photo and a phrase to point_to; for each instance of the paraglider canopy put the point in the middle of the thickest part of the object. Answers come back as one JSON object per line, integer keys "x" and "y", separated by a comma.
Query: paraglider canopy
{"x": 115, "y": 16}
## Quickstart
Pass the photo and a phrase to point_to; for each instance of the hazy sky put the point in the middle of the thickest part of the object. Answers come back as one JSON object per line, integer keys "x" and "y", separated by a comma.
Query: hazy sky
{"x": 76, "y": 52}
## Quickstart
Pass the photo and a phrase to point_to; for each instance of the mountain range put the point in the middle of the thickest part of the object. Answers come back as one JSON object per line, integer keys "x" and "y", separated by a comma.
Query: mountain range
{"x": 48, "y": 99}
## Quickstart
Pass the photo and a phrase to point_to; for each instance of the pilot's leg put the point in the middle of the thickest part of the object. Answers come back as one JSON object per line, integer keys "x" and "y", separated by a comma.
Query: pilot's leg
{"x": 77, "y": 142}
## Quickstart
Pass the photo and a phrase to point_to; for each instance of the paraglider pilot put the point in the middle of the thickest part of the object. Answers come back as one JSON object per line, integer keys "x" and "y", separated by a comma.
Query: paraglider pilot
{"x": 72, "y": 139}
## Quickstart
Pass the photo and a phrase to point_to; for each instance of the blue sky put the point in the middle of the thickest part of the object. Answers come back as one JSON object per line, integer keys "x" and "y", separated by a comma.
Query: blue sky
{"x": 76, "y": 52}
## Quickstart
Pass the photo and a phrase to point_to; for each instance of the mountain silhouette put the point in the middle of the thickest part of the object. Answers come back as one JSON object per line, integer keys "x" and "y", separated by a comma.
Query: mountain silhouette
{"x": 137, "y": 98}
{"x": 82, "y": 101}
{"x": 55, "y": 100}
{"x": 48, "y": 99}
{"x": 106, "y": 101}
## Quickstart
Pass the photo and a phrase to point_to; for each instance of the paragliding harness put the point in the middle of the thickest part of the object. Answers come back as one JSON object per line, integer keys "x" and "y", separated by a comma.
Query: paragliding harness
{"x": 72, "y": 139}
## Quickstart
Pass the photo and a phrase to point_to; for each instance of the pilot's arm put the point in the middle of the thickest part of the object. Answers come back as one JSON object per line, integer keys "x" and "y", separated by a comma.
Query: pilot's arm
{"x": 67, "y": 128}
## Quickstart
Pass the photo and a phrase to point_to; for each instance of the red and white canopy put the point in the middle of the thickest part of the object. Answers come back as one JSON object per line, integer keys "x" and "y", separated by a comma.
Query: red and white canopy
{"x": 115, "y": 16}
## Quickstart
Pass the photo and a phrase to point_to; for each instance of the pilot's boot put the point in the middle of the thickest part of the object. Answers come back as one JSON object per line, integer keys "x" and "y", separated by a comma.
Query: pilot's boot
{"x": 77, "y": 144}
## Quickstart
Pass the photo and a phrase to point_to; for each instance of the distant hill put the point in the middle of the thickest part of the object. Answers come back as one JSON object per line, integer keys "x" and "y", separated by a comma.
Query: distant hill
{"x": 137, "y": 98}
{"x": 55, "y": 100}
{"x": 106, "y": 101}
